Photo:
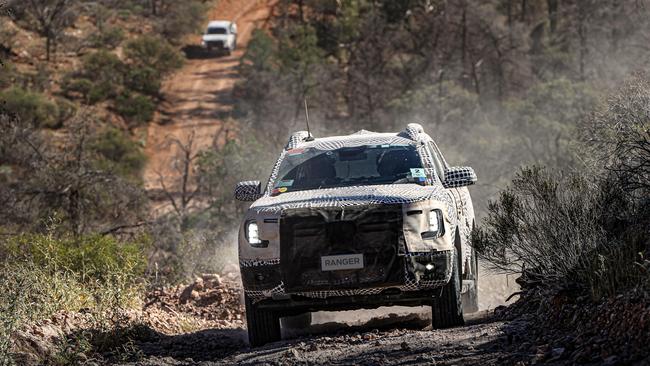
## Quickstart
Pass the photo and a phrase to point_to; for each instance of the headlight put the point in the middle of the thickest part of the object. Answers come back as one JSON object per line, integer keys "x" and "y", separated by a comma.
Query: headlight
{"x": 253, "y": 236}
{"x": 436, "y": 227}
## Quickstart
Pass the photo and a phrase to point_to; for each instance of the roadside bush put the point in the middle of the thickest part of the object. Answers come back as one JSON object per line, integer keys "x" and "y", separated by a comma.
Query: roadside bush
{"x": 154, "y": 53}
{"x": 109, "y": 38}
{"x": 92, "y": 258}
{"x": 67, "y": 109}
{"x": 182, "y": 18}
{"x": 76, "y": 87}
{"x": 143, "y": 79}
{"x": 135, "y": 108}
{"x": 618, "y": 135}
{"x": 41, "y": 275}
{"x": 7, "y": 75}
{"x": 555, "y": 229}
{"x": 119, "y": 153}
{"x": 31, "y": 108}
{"x": 100, "y": 78}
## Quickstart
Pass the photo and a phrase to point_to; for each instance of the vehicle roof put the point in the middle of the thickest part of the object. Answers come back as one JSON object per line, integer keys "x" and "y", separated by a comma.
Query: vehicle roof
{"x": 219, "y": 23}
{"x": 361, "y": 138}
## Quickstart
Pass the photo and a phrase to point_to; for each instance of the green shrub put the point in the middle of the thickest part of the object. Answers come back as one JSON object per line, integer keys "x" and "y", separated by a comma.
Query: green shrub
{"x": 182, "y": 18}
{"x": 573, "y": 231}
{"x": 93, "y": 258}
{"x": 135, "y": 108}
{"x": 119, "y": 153}
{"x": 67, "y": 109}
{"x": 31, "y": 108}
{"x": 100, "y": 78}
{"x": 7, "y": 75}
{"x": 73, "y": 87}
{"x": 143, "y": 79}
{"x": 154, "y": 53}
{"x": 109, "y": 38}
{"x": 41, "y": 275}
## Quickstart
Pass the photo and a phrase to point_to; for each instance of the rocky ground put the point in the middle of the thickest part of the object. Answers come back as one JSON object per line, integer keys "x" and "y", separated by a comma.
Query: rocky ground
{"x": 203, "y": 323}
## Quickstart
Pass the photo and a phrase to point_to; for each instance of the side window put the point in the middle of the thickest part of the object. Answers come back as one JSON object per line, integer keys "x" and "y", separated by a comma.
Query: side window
{"x": 437, "y": 163}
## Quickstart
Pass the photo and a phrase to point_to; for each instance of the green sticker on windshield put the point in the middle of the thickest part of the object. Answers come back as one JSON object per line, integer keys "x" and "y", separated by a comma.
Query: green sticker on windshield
{"x": 285, "y": 183}
{"x": 418, "y": 173}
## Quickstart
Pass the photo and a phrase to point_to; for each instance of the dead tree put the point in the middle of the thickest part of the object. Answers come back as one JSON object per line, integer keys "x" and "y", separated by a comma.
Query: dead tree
{"x": 181, "y": 188}
{"x": 48, "y": 17}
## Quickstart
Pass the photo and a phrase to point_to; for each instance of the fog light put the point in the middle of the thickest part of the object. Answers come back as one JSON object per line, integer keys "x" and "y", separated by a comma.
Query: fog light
{"x": 259, "y": 277}
{"x": 429, "y": 266}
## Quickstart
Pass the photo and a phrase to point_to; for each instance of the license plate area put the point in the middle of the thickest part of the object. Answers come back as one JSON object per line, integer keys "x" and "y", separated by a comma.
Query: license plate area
{"x": 341, "y": 262}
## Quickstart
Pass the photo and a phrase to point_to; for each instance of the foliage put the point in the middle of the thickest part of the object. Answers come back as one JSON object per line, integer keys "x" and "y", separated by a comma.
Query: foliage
{"x": 557, "y": 229}
{"x": 143, "y": 79}
{"x": 32, "y": 108}
{"x": 179, "y": 18}
{"x": 137, "y": 109}
{"x": 100, "y": 77}
{"x": 588, "y": 229}
{"x": 619, "y": 135}
{"x": 153, "y": 53}
{"x": 92, "y": 258}
{"x": 48, "y": 17}
{"x": 118, "y": 153}
{"x": 62, "y": 180}
{"x": 41, "y": 274}
{"x": 109, "y": 38}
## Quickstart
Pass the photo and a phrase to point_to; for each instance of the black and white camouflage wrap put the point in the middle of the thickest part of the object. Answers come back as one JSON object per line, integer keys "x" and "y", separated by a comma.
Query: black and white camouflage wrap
{"x": 411, "y": 285}
{"x": 459, "y": 177}
{"x": 248, "y": 190}
{"x": 457, "y": 200}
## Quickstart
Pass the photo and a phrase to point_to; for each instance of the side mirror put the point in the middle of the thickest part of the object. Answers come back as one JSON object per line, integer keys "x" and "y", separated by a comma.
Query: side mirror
{"x": 248, "y": 191}
{"x": 459, "y": 176}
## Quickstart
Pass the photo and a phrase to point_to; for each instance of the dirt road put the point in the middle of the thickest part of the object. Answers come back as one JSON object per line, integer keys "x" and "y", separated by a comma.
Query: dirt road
{"x": 198, "y": 97}
{"x": 391, "y": 340}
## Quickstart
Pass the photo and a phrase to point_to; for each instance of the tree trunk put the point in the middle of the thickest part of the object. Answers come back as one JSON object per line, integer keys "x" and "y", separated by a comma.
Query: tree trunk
{"x": 552, "y": 15}
{"x": 48, "y": 45}
{"x": 463, "y": 41}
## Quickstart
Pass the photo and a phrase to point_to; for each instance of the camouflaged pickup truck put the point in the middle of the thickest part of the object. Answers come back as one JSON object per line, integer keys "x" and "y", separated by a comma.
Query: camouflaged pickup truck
{"x": 358, "y": 221}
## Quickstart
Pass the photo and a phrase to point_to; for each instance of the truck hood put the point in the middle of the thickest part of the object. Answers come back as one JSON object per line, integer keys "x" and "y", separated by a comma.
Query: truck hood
{"x": 352, "y": 196}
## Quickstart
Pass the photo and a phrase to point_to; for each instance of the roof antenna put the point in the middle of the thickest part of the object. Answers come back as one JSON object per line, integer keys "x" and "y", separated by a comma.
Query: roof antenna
{"x": 309, "y": 136}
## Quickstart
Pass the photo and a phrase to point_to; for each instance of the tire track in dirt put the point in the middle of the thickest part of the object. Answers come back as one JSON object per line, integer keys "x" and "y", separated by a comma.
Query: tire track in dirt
{"x": 198, "y": 98}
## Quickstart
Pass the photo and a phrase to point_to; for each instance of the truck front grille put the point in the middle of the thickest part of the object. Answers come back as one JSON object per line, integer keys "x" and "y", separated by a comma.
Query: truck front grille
{"x": 307, "y": 234}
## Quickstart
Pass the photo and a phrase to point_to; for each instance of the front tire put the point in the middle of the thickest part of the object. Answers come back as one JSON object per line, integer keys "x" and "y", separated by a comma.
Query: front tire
{"x": 447, "y": 309}
{"x": 263, "y": 325}
{"x": 470, "y": 298}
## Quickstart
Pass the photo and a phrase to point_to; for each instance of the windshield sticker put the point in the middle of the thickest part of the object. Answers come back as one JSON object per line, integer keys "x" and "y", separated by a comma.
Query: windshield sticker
{"x": 418, "y": 173}
{"x": 285, "y": 183}
{"x": 277, "y": 191}
{"x": 293, "y": 152}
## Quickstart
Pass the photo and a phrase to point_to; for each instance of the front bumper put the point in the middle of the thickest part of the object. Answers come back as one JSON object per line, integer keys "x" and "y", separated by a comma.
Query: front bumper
{"x": 219, "y": 45}
{"x": 263, "y": 280}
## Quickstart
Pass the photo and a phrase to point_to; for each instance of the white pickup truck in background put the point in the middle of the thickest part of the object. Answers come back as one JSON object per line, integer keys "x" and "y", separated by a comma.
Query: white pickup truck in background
{"x": 220, "y": 35}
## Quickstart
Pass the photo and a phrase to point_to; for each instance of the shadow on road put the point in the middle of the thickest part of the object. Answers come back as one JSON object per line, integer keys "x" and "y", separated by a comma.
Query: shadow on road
{"x": 204, "y": 345}
{"x": 195, "y": 52}
{"x": 217, "y": 344}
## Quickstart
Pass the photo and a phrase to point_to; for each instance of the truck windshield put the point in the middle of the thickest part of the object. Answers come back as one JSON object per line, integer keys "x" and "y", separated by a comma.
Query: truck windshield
{"x": 214, "y": 30}
{"x": 311, "y": 168}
